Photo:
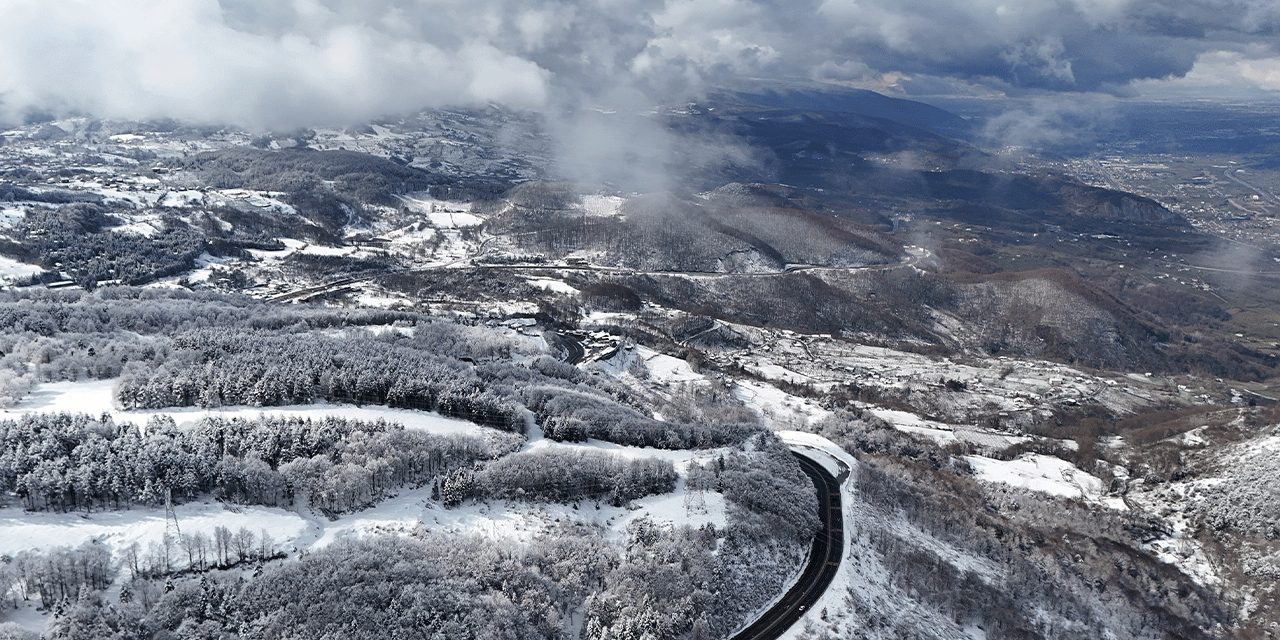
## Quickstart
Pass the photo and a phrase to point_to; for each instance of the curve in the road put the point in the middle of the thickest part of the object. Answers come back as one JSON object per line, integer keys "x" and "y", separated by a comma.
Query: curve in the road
{"x": 824, "y": 560}
{"x": 569, "y": 346}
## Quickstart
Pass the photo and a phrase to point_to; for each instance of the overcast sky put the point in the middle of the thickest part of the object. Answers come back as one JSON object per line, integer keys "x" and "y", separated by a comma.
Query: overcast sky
{"x": 293, "y": 62}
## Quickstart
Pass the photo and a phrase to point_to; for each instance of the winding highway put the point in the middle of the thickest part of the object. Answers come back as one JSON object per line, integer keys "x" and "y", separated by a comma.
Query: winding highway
{"x": 1266, "y": 196}
{"x": 824, "y": 560}
{"x": 913, "y": 256}
{"x": 827, "y": 548}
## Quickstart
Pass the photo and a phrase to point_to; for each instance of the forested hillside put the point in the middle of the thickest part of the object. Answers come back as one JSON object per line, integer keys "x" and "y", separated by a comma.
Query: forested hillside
{"x": 176, "y": 349}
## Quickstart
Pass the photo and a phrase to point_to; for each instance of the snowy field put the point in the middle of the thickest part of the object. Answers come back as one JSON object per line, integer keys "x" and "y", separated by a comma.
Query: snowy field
{"x": 558, "y": 286}
{"x": 95, "y": 398}
{"x": 443, "y": 214}
{"x": 776, "y": 406}
{"x": 602, "y": 206}
{"x": 299, "y": 529}
{"x": 1046, "y": 474}
{"x": 11, "y": 269}
{"x": 666, "y": 369}
{"x": 44, "y": 530}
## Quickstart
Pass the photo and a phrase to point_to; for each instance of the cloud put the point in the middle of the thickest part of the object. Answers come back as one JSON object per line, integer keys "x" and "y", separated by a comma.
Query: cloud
{"x": 1251, "y": 73}
{"x": 198, "y": 60}
{"x": 274, "y": 62}
{"x": 277, "y": 63}
{"x": 1052, "y": 122}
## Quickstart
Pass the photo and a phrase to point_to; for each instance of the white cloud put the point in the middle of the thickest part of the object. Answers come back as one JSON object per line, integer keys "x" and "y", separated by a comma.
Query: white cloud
{"x": 1264, "y": 74}
{"x": 180, "y": 58}
{"x": 1221, "y": 74}
{"x": 282, "y": 62}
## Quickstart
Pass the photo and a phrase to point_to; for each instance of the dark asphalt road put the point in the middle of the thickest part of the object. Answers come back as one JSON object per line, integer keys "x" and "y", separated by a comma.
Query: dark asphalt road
{"x": 824, "y": 561}
{"x": 568, "y": 347}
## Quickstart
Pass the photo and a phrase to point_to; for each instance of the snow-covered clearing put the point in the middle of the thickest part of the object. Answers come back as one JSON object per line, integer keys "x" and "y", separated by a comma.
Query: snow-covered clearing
{"x": 205, "y": 267}
{"x": 549, "y": 284}
{"x": 1045, "y": 474}
{"x": 383, "y": 302}
{"x": 944, "y": 434}
{"x": 772, "y": 371}
{"x": 318, "y": 250}
{"x": 259, "y": 199}
{"x": 290, "y": 246}
{"x": 41, "y": 531}
{"x": 183, "y": 199}
{"x": 667, "y": 369}
{"x": 413, "y": 234}
{"x": 506, "y": 520}
{"x": 146, "y": 226}
{"x": 96, "y": 398}
{"x": 10, "y": 213}
{"x": 777, "y": 407}
{"x": 680, "y": 507}
{"x": 11, "y": 269}
{"x": 410, "y": 509}
{"x": 602, "y": 206}
{"x": 443, "y": 214}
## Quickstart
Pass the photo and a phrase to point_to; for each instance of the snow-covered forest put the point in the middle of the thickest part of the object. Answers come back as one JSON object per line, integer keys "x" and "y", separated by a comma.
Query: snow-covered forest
{"x": 176, "y": 349}
{"x": 662, "y": 583}
{"x": 77, "y": 462}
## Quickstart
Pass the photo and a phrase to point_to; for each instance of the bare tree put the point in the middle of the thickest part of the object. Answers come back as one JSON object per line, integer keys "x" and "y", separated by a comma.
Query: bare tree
{"x": 222, "y": 544}
{"x": 242, "y": 541}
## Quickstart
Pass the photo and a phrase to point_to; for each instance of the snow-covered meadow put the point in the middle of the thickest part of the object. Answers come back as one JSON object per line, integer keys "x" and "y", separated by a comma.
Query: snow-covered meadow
{"x": 300, "y": 529}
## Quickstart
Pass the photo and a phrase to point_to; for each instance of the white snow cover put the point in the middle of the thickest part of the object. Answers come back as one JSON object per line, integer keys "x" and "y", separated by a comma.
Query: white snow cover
{"x": 204, "y": 268}
{"x": 942, "y": 433}
{"x": 549, "y": 284}
{"x": 664, "y": 368}
{"x": 96, "y": 398}
{"x": 602, "y": 206}
{"x": 300, "y": 529}
{"x": 42, "y": 531}
{"x": 290, "y": 246}
{"x": 11, "y": 269}
{"x": 317, "y": 250}
{"x": 444, "y": 215}
{"x": 141, "y": 225}
{"x": 777, "y": 407}
{"x": 1045, "y": 474}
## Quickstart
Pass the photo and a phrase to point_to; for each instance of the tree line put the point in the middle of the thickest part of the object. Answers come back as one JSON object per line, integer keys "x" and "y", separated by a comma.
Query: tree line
{"x": 661, "y": 583}
{"x": 174, "y": 349}
{"x": 557, "y": 475}
{"x": 67, "y": 462}
{"x": 78, "y": 241}
{"x": 219, "y": 367}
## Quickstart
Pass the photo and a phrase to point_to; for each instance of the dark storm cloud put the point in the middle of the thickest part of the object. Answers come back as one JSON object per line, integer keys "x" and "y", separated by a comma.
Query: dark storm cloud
{"x": 1056, "y": 45}
{"x": 282, "y": 62}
